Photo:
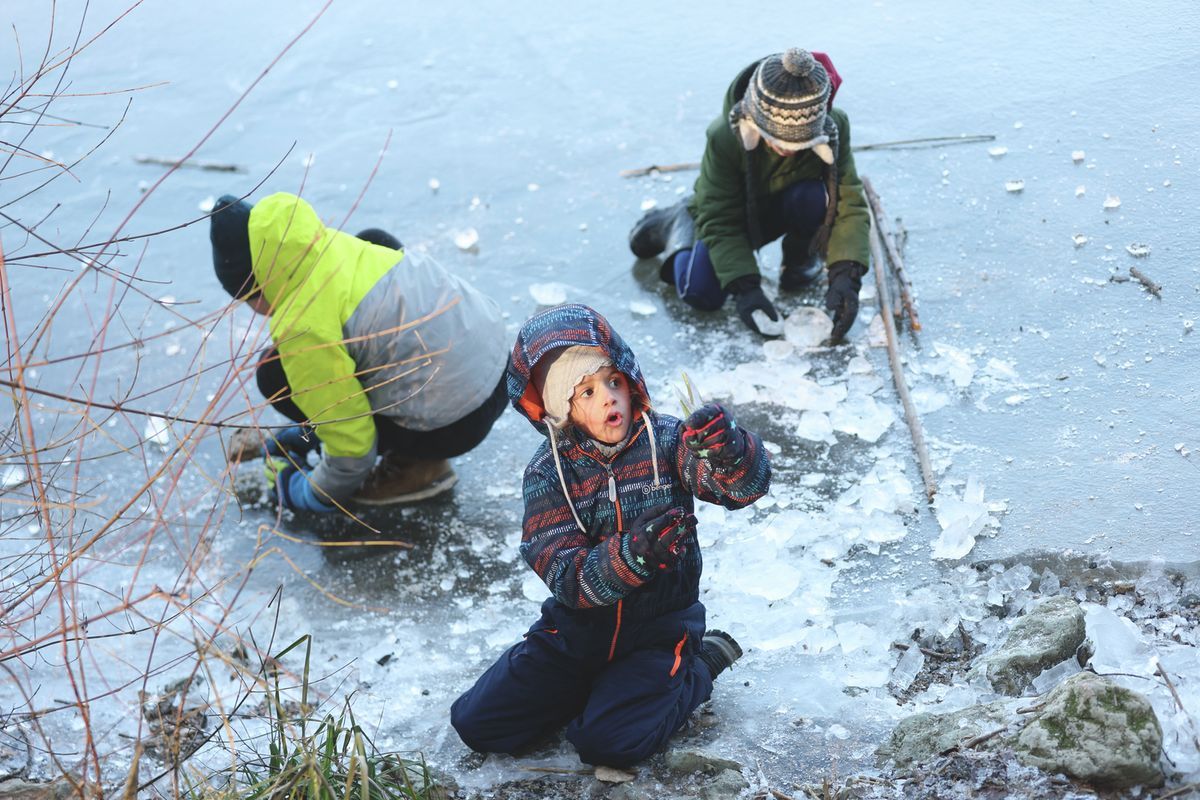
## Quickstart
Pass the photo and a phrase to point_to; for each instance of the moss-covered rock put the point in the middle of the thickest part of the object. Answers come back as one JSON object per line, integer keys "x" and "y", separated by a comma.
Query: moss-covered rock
{"x": 1094, "y": 730}
{"x": 922, "y": 737}
{"x": 1048, "y": 635}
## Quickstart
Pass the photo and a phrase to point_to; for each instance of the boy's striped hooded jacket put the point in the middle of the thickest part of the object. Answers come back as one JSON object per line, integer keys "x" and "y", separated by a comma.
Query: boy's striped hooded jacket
{"x": 573, "y": 518}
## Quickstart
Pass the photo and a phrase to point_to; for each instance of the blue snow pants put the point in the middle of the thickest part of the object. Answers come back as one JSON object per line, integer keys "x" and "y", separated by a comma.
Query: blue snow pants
{"x": 797, "y": 210}
{"x": 621, "y": 690}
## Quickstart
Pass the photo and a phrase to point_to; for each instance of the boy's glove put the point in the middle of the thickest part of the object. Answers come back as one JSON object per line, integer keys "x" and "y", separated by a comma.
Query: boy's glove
{"x": 749, "y": 297}
{"x": 845, "y": 279}
{"x": 712, "y": 433}
{"x": 656, "y": 540}
{"x": 290, "y": 485}
{"x": 298, "y": 439}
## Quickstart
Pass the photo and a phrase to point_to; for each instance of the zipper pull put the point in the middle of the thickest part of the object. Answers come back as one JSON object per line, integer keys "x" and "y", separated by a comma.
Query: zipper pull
{"x": 612, "y": 488}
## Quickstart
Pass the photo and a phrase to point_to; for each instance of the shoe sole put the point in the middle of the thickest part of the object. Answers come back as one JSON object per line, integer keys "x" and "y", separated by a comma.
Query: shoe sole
{"x": 443, "y": 484}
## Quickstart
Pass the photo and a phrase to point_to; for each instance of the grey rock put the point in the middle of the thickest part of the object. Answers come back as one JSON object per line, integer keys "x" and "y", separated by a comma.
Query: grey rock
{"x": 19, "y": 789}
{"x": 686, "y": 762}
{"x": 1047, "y": 635}
{"x": 250, "y": 484}
{"x": 728, "y": 783}
{"x": 922, "y": 737}
{"x": 1096, "y": 731}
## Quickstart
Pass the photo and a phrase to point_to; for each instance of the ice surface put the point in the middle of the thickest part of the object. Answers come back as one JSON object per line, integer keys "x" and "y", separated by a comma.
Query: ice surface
{"x": 951, "y": 362}
{"x": 927, "y": 399}
{"x": 807, "y": 327}
{"x": 876, "y": 333}
{"x": 548, "y": 294}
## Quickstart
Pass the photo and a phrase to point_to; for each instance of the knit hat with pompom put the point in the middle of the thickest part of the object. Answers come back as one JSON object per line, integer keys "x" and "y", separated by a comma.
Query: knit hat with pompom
{"x": 786, "y": 101}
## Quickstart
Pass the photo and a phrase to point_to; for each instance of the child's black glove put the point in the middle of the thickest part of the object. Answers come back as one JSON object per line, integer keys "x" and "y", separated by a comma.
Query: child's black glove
{"x": 656, "y": 539}
{"x": 845, "y": 279}
{"x": 748, "y": 296}
{"x": 711, "y": 432}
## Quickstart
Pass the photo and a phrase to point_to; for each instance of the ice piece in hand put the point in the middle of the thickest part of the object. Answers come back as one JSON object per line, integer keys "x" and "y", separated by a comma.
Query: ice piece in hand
{"x": 807, "y": 327}
{"x": 766, "y": 325}
{"x": 548, "y": 294}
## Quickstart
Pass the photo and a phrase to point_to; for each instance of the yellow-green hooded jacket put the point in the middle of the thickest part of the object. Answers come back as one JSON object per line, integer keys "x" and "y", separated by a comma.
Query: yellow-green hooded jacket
{"x": 362, "y": 329}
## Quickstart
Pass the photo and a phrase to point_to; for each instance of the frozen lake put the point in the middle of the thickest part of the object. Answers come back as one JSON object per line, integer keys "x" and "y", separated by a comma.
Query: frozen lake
{"x": 1060, "y": 406}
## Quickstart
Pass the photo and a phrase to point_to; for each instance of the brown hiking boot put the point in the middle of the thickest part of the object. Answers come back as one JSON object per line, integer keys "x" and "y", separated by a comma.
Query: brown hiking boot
{"x": 396, "y": 479}
{"x": 245, "y": 444}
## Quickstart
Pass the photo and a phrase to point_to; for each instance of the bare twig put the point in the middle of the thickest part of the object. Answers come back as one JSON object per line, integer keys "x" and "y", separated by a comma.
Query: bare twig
{"x": 1152, "y": 287}
{"x": 1180, "y": 791}
{"x": 974, "y": 741}
{"x": 208, "y": 166}
{"x": 893, "y": 255}
{"x": 899, "y": 144}
{"x": 889, "y": 327}
{"x": 925, "y": 650}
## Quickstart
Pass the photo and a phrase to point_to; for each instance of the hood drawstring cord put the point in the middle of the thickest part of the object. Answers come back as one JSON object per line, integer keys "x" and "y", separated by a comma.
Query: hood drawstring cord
{"x": 653, "y": 449}
{"x": 561, "y": 479}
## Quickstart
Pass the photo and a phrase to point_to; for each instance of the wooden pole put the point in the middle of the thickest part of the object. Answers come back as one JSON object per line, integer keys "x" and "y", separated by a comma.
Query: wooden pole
{"x": 889, "y": 327}
{"x": 896, "y": 261}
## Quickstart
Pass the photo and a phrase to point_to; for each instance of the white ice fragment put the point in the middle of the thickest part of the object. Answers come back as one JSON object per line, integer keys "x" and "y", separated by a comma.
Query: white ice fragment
{"x": 1014, "y": 185}
{"x": 961, "y": 520}
{"x": 1018, "y": 125}
{"x": 996, "y": 152}
{"x": 308, "y": 160}
{"x": 1112, "y": 202}
{"x": 393, "y": 84}
{"x": 815, "y": 427}
{"x": 769, "y": 579}
{"x": 859, "y": 366}
{"x": 766, "y": 325}
{"x": 475, "y": 203}
{"x": 649, "y": 203}
{"x": 13, "y": 475}
{"x": 953, "y": 363}
{"x": 642, "y": 308}
{"x": 807, "y": 327}
{"x": 173, "y": 349}
{"x": 1138, "y": 250}
{"x": 864, "y": 417}
{"x": 854, "y": 636}
{"x": 1188, "y": 325}
{"x": 1078, "y": 156}
{"x": 778, "y": 349}
{"x": 466, "y": 239}
{"x": 447, "y": 583}
{"x": 1055, "y": 675}
{"x": 1079, "y": 239}
{"x": 1016, "y": 399}
{"x": 911, "y": 662}
{"x": 1099, "y": 359}
{"x": 548, "y": 294}
{"x": 533, "y": 187}
{"x": 1167, "y": 182}
{"x": 876, "y": 333}
{"x": 157, "y": 431}
{"x": 927, "y": 399}
{"x": 207, "y": 204}
{"x": 1120, "y": 646}
{"x": 583, "y": 226}
{"x": 836, "y": 731}
{"x": 434, "y": 184}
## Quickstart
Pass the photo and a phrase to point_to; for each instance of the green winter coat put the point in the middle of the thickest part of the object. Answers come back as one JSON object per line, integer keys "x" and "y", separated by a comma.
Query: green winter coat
{"x": 720, "y": 208}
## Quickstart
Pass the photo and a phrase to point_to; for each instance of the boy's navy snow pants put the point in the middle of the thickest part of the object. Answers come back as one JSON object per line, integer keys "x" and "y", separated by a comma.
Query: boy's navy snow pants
{"x": 621, "y": 689}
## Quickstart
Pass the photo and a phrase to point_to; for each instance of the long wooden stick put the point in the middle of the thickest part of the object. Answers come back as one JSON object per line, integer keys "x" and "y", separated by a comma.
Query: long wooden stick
{"x": 1152, "y": 287}
{"x": 930, "y": 141}
{"x": 889, "y": 327}
{"x": 893, "y": 254}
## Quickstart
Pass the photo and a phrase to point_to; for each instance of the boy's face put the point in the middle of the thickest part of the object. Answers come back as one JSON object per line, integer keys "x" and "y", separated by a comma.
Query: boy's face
{"x": 601, "y": 405}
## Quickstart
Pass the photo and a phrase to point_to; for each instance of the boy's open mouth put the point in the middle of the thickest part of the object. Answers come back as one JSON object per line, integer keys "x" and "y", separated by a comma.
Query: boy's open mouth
{"x": 614, "y": 418}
